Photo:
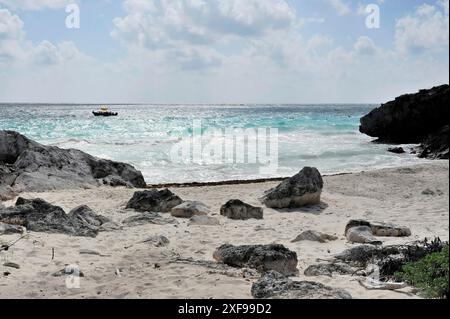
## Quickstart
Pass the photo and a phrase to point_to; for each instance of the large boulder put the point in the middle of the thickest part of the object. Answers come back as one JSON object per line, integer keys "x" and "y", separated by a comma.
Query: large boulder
{"x": 154, "y": 201}
{"x": 274, "y": 285}
{"x": 260, "y": 257}
{"x": 238, "y": 210}
{"x": 303, "y": 189}
{"x": 364, "y": 232}
{"x": 409, "y": 118}
{"x": 189, "y": 209}
{"x": 39, "y": 216}
{"x": 26, "y": 165}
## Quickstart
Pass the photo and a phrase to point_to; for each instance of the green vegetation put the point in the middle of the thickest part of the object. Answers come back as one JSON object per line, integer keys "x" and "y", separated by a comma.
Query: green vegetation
{"x": 431, "y": 274}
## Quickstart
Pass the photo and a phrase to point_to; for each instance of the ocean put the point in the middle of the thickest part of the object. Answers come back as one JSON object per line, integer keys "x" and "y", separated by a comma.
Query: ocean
{"x": 163, "y": 140}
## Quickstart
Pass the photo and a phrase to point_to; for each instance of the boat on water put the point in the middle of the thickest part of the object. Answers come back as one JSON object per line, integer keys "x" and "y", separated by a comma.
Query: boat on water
{"x": 104, "y": 111}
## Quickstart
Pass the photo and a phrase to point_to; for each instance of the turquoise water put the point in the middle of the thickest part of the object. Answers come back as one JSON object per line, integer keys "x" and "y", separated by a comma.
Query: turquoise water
{"x": 324, "y": 136}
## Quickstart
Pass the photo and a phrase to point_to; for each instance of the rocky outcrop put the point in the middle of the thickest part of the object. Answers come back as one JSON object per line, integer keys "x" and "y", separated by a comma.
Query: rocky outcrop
{"x": 274, "y": 285}
{"x": 311, "y": 235}
{"x": 26, "y": 165}
{"x": 303, "y": 189}
{"x": 364, "y": 232}
{"x": 260, "y": 257}
{"x": 39, "y": 216}
{"x": 154, "y": 201}
{"x": 238, "y": 210}
{"x": 413, "y": 118}
{"x": 189, "y": 209}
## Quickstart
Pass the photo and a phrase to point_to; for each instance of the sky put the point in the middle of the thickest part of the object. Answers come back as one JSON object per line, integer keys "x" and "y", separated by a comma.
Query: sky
{"x": 221, "y": 51}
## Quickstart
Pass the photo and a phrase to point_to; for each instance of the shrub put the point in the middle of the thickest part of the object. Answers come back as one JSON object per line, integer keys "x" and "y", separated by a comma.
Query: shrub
{"x": 431, "y": 274}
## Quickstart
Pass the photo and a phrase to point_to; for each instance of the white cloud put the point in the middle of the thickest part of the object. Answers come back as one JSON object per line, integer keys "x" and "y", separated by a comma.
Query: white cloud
{"x": 427, "y": 29}
{"x": 365, "y": 46}
{"x": 36, "y": 4}
{"x": 342, "y": 7}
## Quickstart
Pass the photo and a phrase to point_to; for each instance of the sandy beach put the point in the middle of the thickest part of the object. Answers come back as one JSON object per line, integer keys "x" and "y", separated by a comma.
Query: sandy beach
{"x": 117, "y": 265}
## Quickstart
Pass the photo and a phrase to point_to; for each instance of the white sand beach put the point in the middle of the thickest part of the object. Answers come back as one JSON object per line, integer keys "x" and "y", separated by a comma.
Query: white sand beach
{"x": 145, "y": 271}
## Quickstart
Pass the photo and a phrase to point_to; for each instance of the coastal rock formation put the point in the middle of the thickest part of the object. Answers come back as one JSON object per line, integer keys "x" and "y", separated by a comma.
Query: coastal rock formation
{"x": 189, "y": 209}
{"x": 260, "y": 257}
{"x": 274, "y": 285}
{"x": 364, "y": 232}
{"x": 39, "y": 216}
{"x": 303, "y": 189}
{"x": 413, "y": 118}
{"x": 26, "y": 165}
{"x": 154, "y": 201}
{"x": 311, "y": 235}
{"x": 204, "y": 221}
{"x": 238, "y": 210}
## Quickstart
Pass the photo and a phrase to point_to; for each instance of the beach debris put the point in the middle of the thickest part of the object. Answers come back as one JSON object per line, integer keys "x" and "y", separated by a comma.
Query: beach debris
{"x": 189, "y": 209}
{"x": 303, "y": 189}
{"x": 329, "y": 269}
{"x": 69, "y": 270}
{"x": 154, "y": 201}
{"x": 397, "y": 150}
{"x": 238, "y": 210}
{"x": 27, "y": 166}
{"x": 89, "y": 252}
{"x": 311, "y": 235}
{"x": 364, "y": 232}
{"x": 147, "y": 218}
{"x": 204, "y": 221}
{"x": 11, "y": 265}
{"x": 260, "y": 257}
{"x": 39, "y": 216}
{"x": 7, "y": 229}
{"x": 372, "y": 284}
{"x": 274, "y": 285}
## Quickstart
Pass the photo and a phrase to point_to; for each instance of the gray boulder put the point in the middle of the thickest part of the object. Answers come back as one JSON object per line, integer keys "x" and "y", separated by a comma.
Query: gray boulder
{"x": 189, "y": 209}
{"x": 311, "y": 235}
{"x": 362, "y": 235}
{"x": 329, "y": 269}
{"x": 260, "y": 257}
{"x": 204, "y": 221}
{"x": 303, "y": 189}
{"x": 39, "y": 216}
{"x": 154, "y": 201}
{"x": 274, "y": 285}
{"x": 26, "y": 165}
{"x": 147, "y": 218}
{"x": 238, "y": 210}
{"x": 364, "y": 232}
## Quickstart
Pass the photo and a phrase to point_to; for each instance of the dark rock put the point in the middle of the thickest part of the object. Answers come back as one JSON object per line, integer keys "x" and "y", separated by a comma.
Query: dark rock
{"x": 238, "y": 210}
{"x": 303, "y": 189}
{"x": 311, "y": 235}
{"x": 436, "y": 145}
{"x": 29, "y": 166}
{"x": 260, "y": 257}
{"x": 148, "y": 218}
{"x": 189, "y": 209}
{"x": 40, "y": 216}
{"x": 154, "y": 201}
{"x": 274, "y": 285}
{"x": 397, "y": 150}
{"x": 410, "y": 118}
{"x": 328, "y": 270}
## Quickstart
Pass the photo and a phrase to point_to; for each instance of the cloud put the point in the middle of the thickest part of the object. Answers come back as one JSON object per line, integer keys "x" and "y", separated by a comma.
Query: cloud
{"x": 36, "y": 4}
{"x": 11, "y": 35}
{"x": 342, "y": 7}
{"x": 365, "y": 46}
{"x": 426, "y": 29}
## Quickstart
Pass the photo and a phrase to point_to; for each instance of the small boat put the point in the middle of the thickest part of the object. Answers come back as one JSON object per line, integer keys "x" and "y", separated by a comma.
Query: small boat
{"x": 104, "y": 111}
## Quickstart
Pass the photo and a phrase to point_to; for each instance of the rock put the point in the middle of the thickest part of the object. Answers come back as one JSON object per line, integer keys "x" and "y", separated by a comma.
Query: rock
{"x": 109, "y": 227}
{"x": 362, "y": 235}
{"x": 189, "y": 209}
{"x": 6, "y": 229}
{"x": 154, "y": 201}
{"x": 410, "y": 118}
{"x": 397, "y": 150}
{"x": 27, "y": 166}
{"x": 260, "y": 257}
{"x": 147, "y": 218}
{"x": 303, "y": 189}
{"x": 390, "y": 230}
{"x": 238, "y": 210}
{"x": 314, "y": 236}
{"x": 69, "y": 270}
{"x": 328, "y": 269}
{"x": 39, "y": 216}
{"x": 11, "y": 265}
{"x": 158, "y": 241}
{"x": 274, "y": 285}
{"x": 204, "y": 221}
{"x": 428, "y": 192}
{"x": 359, "y": 255}
{"x": 436, "y": 145}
